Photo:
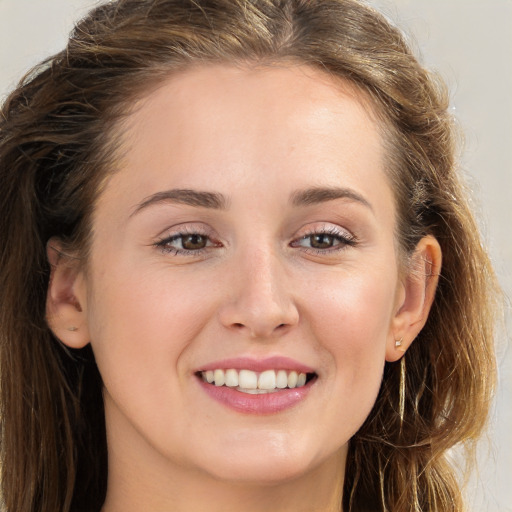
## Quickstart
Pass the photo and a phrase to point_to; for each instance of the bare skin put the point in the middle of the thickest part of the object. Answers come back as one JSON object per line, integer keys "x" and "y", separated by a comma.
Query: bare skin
{"x": 294, "y": 257}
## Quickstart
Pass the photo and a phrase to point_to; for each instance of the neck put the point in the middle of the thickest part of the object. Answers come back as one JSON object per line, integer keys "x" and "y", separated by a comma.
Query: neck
{"x": 185, "y": 494}
{"x": 316, "y": 491}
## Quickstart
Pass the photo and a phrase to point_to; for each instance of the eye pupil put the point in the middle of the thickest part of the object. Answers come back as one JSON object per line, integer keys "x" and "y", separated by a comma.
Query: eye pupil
{"x": 322, "y": 241}
{"x": 193, "y": 242}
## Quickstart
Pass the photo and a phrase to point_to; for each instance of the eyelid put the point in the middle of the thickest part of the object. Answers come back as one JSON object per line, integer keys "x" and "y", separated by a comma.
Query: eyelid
{"x": 345, "y": 237}
{"x": 187, "y": 228}
{"x": 327, "y": 228}
{"x": 181, "y": 230}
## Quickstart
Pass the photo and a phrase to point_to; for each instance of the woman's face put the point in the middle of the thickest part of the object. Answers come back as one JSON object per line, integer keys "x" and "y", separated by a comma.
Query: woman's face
{"x": 249, "y": 228}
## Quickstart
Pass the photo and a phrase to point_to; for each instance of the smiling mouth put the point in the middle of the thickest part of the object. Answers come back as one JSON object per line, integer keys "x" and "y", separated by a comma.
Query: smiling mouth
{"x": 256, "y": 383}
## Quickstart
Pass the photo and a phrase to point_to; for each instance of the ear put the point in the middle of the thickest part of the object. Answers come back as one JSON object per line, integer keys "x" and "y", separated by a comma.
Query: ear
{"x": 66, "y": 297}
{"x": 415, "y": 297}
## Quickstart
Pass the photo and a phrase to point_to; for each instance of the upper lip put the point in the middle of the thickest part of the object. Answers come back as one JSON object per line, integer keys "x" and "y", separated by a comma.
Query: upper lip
{"x": 258, "y": 365}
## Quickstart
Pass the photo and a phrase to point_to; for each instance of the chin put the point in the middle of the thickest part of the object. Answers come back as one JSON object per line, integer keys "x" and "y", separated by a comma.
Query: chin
{"x": 260, "y": 472}
{"x": 264, "y": 464}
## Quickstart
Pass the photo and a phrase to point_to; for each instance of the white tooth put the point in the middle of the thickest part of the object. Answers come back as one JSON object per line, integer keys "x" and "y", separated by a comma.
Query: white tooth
{"x": 267, "y": 380}
{"x": 301, "y": 380}
{"x": 292, "y": 379}
{"x": 219, "y": 377}
{"x": 281, "y": 379}
{"x": 231, "y": 378}
{"x": 256, "y": 391}
{"x": 208, "y": 376}
{"x": 247, "y": 379}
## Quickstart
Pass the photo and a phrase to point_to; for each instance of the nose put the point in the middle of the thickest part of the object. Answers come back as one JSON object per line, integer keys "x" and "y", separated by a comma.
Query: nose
{"x": 260, "y": 303}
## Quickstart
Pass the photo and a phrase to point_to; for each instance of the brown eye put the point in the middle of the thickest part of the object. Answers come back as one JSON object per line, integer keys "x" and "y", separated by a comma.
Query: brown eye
{"x": 193, "y": 242}
{"x": 326, "y": 242}
{"x": 322, "y": 241}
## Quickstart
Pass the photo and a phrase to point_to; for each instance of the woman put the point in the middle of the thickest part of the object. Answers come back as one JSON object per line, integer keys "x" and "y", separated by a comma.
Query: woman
{"x": 253, "y": 277}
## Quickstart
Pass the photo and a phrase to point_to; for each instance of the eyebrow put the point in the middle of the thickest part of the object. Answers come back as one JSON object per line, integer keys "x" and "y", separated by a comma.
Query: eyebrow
{"x": 317, "y": 195}
{"x": 217, "y": 201}
{"x": 185, "y": 196}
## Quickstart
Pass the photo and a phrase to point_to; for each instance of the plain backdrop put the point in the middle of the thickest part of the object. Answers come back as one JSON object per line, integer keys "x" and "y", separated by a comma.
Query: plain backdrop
{"x": 470, "y": 43}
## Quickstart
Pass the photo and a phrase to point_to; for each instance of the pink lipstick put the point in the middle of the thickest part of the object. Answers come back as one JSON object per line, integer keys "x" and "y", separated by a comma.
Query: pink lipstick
{"x": 257, "y": 386}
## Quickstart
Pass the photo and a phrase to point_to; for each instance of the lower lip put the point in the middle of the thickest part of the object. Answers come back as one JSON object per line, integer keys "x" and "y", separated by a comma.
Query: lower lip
{"x": 268, "y": 403}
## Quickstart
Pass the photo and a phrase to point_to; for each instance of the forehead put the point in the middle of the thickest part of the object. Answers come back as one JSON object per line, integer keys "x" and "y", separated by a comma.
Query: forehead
{"x": 255, "y": 95}
{"x": 218, "y": 126}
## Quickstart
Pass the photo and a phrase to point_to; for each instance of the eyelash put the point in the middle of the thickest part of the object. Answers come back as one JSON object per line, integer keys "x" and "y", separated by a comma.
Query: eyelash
{"x": 343, "y": 238}
{"x": 163, "y": 243}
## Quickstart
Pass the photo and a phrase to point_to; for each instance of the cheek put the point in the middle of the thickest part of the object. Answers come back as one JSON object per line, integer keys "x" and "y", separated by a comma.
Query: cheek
{"x": 354, "y": 317}
{"x": 143, "y": 321}
{"x": 148, "y": 308}
{"x": 352, "y": 325}
{"x": 141, "y": 325}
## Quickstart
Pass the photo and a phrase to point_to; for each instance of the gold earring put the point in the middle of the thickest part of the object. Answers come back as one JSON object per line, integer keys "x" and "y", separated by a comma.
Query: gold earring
{"x": 398, "y": 345}
{"x": 401, "y": 406}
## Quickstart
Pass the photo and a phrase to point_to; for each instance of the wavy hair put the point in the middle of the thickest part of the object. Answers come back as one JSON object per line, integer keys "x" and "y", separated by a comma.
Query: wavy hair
{"x": 58, "y": 142}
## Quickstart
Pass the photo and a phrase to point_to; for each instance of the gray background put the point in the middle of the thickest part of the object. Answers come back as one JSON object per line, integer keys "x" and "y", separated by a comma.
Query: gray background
{"x": 470, "y": 43}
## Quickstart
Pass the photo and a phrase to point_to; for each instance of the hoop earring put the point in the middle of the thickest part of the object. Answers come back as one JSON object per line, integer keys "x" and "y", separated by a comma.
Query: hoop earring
{"x": 401, "y": 405}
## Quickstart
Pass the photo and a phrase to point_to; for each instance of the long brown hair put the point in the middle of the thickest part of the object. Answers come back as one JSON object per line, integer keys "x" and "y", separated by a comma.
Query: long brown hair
{"x": 58, "y": 142}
